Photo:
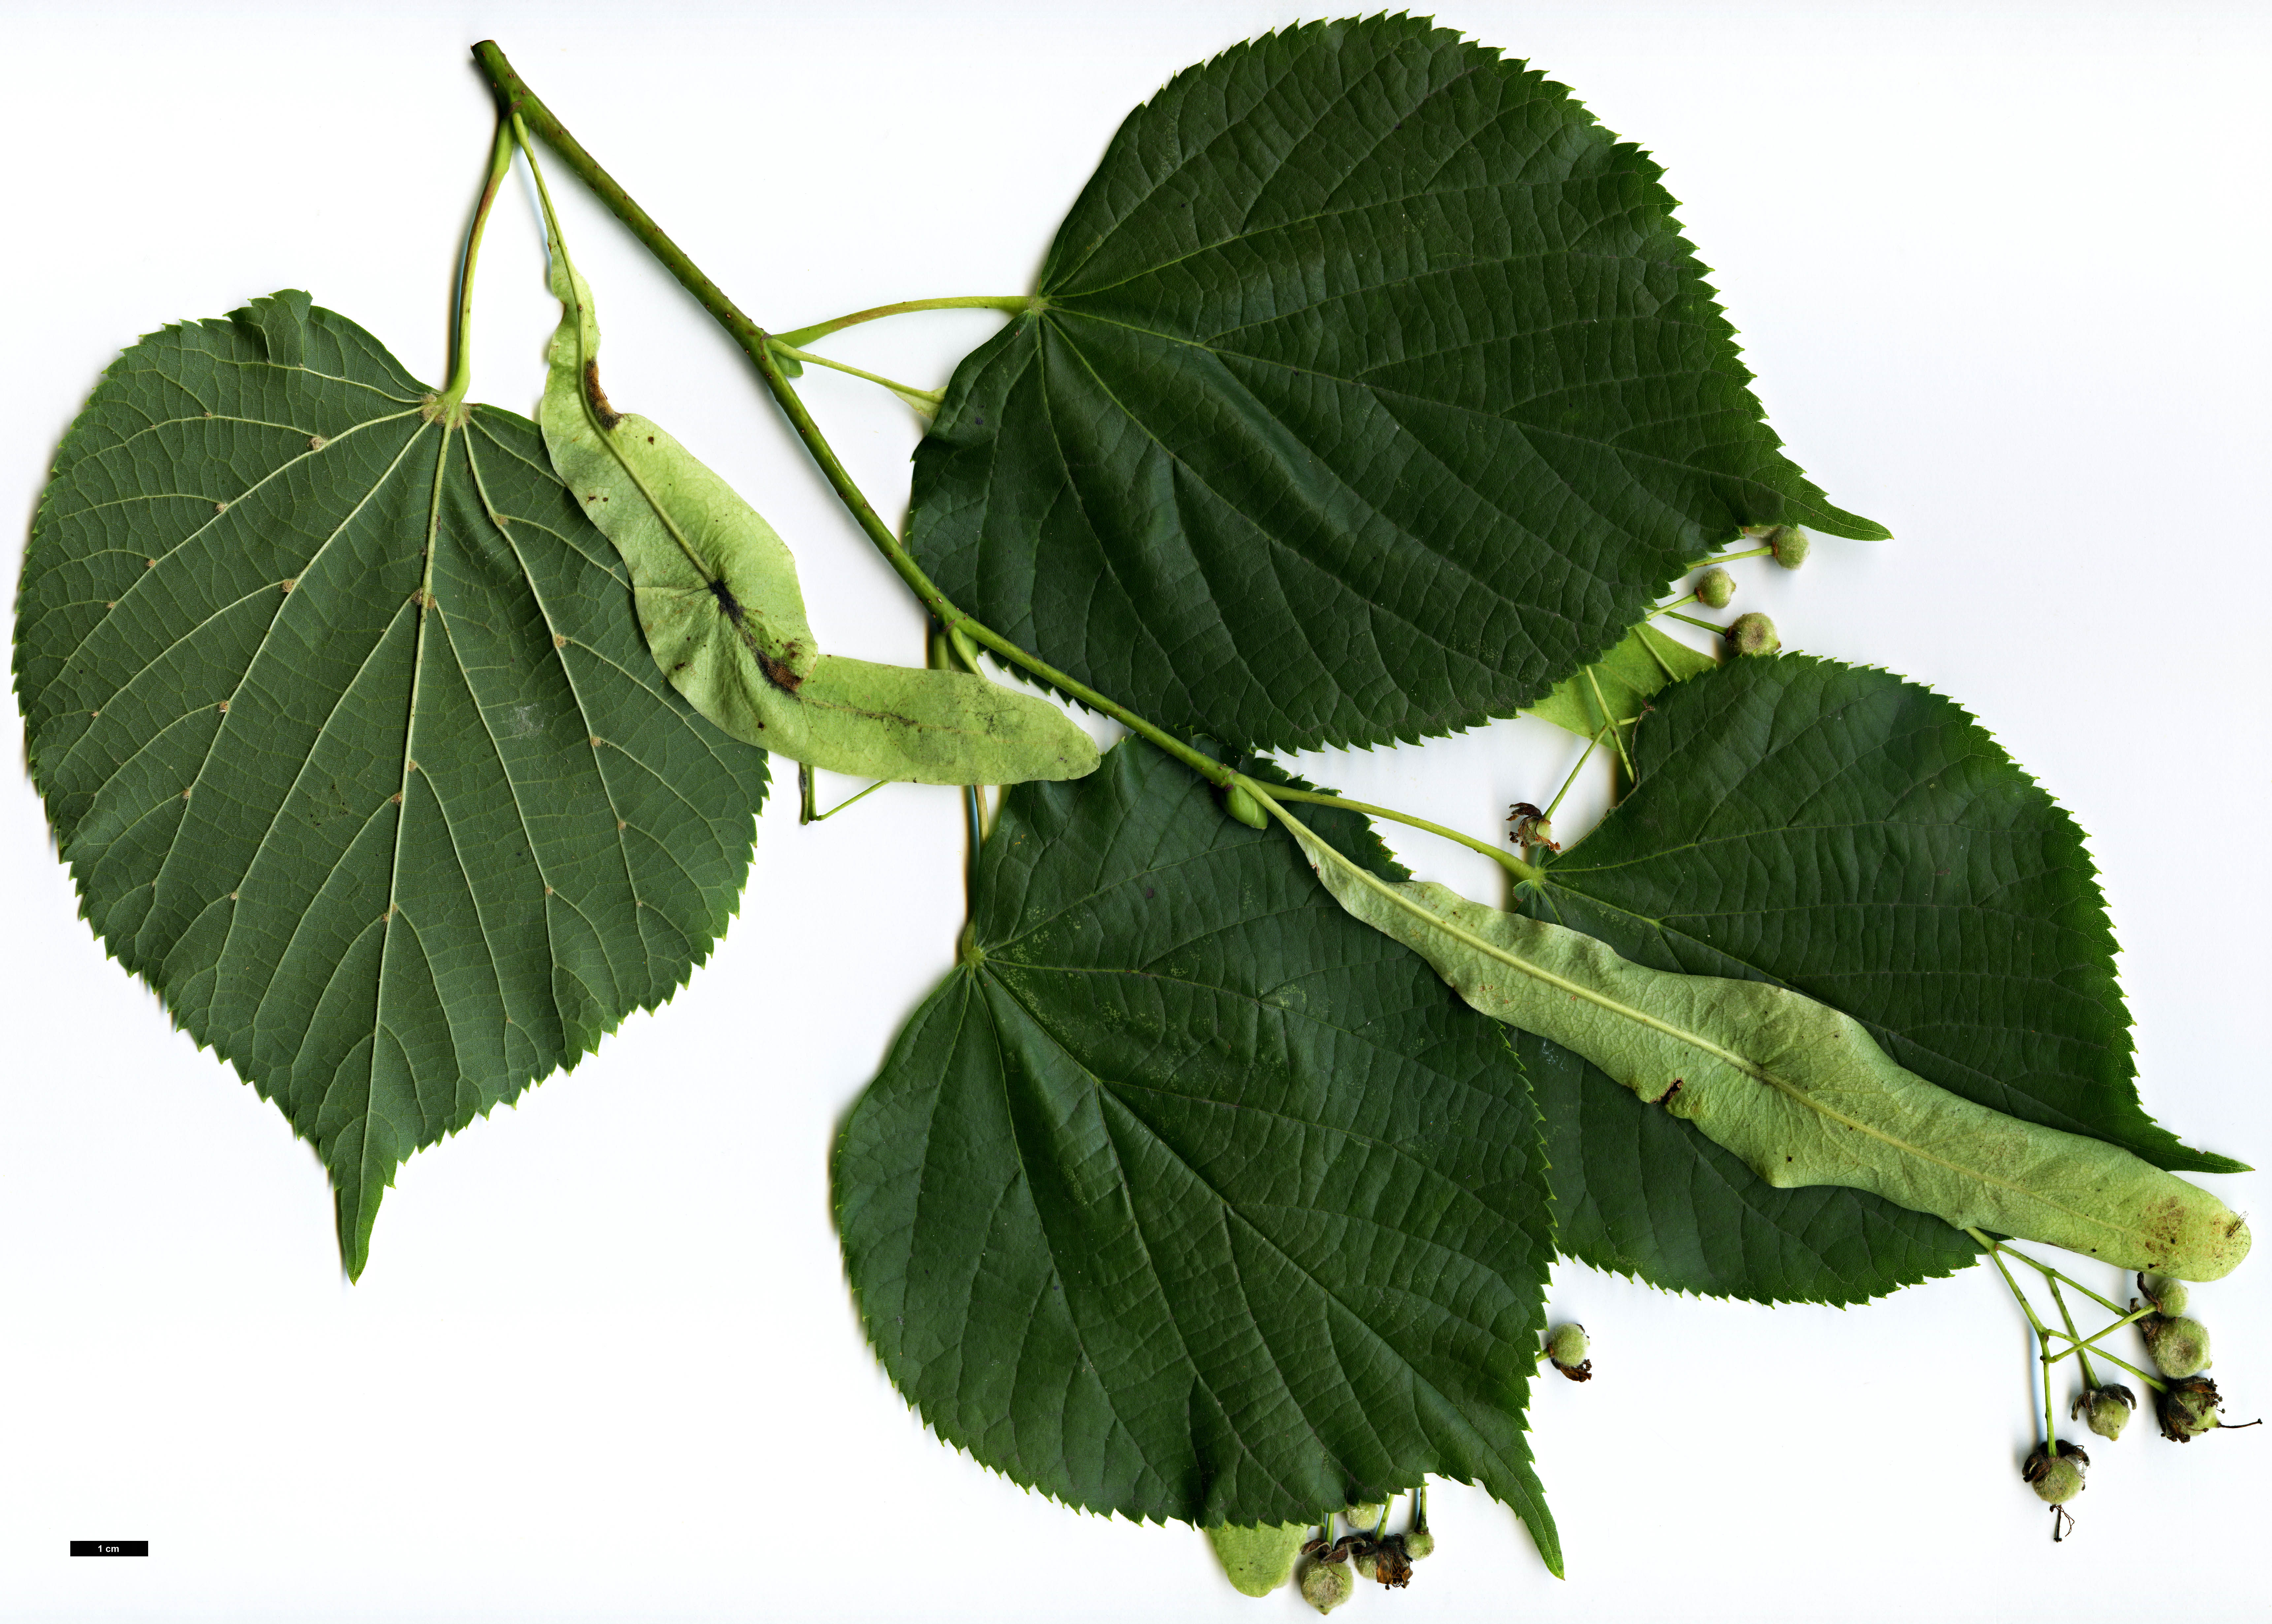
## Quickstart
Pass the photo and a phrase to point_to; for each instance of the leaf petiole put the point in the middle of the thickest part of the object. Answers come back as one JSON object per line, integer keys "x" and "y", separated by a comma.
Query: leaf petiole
{"x": 462, "y": 359}
{"x": 1670, "y": 613}
{"x": 1009, "y": 305}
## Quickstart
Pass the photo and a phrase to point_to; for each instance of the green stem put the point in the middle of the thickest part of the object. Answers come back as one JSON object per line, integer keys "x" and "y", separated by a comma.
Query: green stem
{"x": 2049, "y": 1273}
{"x": 2042, "y": 1335}
{"x": 2091, "y": 1341}
{"x": 1717, "y": 631}
{"x": 756, "y": 343}
{"x": 517, "y": 99}
{"x": 1508, "y": 861}
{"x": 1731, "y": 558}
{"x": 1612, "y": 722}
{"x": 2155, "y": 1383}
{"x": 461, "y": 356}
{"x": 909, "y": 393}
{"x": 1592, "y": 744}
{"x": 2082, "y": 1358}
{"x": 1009, "y": 305}
{"x": 824, "y": 816}
{"x": 1667, "y": 609}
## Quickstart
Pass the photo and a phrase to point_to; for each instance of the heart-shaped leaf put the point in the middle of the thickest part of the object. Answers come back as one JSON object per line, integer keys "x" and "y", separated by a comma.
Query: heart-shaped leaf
{"x": 346, "y": 731}
{"x": 1185, "y": 1195}
{"x": 1371, "y": 390}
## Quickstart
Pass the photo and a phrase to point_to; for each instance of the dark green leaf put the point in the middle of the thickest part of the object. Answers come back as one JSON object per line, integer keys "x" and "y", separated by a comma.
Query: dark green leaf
{"x": 346, "y": 730}
{"x": 1860, "y": 840}
{"x": 1185, "y": 1195}
{"x": 1374, "y": 392}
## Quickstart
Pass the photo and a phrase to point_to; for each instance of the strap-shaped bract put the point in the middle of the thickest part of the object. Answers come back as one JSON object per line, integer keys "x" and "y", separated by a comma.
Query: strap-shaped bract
{"x": 1797, "y": 1090}
{"x": 718, "y": 598}
{"x": 346, "y": 731}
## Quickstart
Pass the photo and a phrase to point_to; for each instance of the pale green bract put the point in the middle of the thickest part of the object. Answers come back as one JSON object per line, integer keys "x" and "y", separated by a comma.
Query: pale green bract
{"x": 717, "y": 596}
{"x": 1617, "y": 688}
{"x": 1799, "y": 1092}
{"x": 1258, "y": 1561}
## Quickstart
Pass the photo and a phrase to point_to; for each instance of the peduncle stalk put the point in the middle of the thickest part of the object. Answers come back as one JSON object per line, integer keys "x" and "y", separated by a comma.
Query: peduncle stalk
{"x": 1508, "y": 860}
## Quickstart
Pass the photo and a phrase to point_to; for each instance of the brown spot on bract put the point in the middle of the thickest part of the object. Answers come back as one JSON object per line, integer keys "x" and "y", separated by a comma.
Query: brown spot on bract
{"x": 222, "y": 707}
{"x": 149, "y": 563}
{"x": 91, "y": 715}
{"x": 396, "y": 798}
{"x": 111, "y": 605}
{"x": 595, "y": 741}
{"x": 620, "y": 825}
{"x": 560, "y": 639}
{"x": 289, "y": 582}
{"x": 220, "y": 507}
{"x": 548, "y": 891}
{"x": 185, "y": 795}
{"x": 728, "y": 603}
{"x": 232, "y": 895}
{"x": 317, "y": 442}
{"x": 607, "y": 415}
{"x": 413, "y": 767}
{"x": 779, "y": 673}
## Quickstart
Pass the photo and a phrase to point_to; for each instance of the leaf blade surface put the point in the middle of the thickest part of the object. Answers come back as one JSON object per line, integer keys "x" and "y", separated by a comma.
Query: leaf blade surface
{"x": 1182, "y": 1199}
{"x": 346, "y": 731}
{"x": 1372, "y": 391}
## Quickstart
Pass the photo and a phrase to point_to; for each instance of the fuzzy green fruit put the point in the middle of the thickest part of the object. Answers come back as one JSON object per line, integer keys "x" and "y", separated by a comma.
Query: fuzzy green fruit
{"x": 2168, "y": 1296}
{"x": 1714, "y": 587}
{"x": 2188, "y": 1409}
{"x": 1566, "y": 1348}
{"x": 2179, "y": 1345}
{"x": 2055, "y": 1474}
{"x": 1326, "y": 1586}
{"x": 2106, "y": 1410}
{"x": 1752, "y": 634}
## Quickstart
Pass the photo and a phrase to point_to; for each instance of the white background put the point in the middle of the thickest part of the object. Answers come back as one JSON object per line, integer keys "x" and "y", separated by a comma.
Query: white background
{"x": 2000, "y": 268}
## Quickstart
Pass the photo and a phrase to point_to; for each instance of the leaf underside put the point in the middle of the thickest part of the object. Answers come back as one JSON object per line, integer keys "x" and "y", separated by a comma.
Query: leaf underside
{"x": 346, "y": 731}
{"x": 1859, "y": 839}
{"x": 1374, "y": 392}
{"x": 1186, "y": 1196}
